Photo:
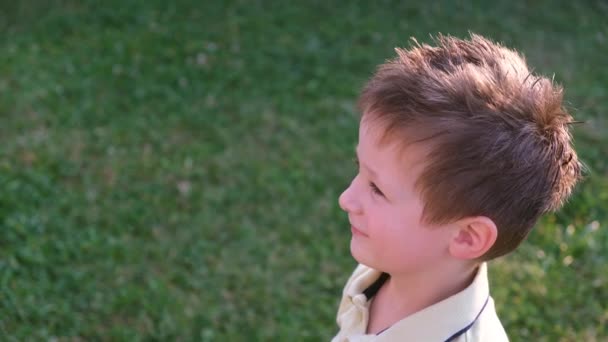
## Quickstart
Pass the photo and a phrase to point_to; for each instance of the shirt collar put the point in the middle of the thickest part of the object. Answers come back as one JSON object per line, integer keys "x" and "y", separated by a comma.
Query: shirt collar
{"x": 366, "y": 276}
{"x": 439, "y": 321}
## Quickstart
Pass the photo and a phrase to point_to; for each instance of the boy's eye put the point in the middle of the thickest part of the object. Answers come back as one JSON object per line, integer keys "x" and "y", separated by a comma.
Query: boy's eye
{"x": 373, "y": 186}
{"x": 375, "y": 189}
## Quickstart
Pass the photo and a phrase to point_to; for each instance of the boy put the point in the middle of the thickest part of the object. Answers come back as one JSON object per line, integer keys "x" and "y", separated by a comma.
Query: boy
{"x": 461, "y": 149}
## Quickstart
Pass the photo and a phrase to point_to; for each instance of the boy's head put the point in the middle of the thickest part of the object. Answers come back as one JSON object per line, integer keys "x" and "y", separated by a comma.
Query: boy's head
{"x": 495, "y": 136}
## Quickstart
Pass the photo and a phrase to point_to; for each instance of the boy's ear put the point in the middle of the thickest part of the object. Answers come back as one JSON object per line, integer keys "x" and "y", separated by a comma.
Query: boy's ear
{"x": 473, "y": 237}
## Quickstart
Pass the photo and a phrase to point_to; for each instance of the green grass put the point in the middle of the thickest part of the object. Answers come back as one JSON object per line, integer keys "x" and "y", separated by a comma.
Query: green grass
{"x": 170, "y": 170}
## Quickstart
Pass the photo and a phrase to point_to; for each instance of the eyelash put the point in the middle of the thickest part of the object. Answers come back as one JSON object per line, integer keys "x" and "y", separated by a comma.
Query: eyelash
{"x": 373, "y": 186}
{"x": 375, "y": 189}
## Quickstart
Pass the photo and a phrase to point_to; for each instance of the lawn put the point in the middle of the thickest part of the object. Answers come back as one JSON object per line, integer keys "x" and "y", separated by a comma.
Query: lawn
{"x": 170, "y": 169}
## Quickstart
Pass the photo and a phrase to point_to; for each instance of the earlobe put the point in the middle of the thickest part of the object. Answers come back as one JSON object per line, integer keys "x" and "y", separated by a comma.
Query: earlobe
{"x": 473, "y": 237}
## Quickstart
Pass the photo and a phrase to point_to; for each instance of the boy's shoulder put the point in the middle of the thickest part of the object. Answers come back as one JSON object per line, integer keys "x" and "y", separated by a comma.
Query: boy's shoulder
{"x": 469, "y": 315}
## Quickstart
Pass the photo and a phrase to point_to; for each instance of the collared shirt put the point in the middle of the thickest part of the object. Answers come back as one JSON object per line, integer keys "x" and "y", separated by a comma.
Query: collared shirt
{"x": 468, "y": 315}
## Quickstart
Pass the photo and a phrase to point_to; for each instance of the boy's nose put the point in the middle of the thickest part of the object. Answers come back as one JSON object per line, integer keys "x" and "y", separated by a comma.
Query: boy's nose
{"x": 348, "y": 202}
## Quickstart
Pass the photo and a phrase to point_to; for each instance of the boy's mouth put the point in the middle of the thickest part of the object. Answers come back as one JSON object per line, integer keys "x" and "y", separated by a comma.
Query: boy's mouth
{"x": 357, "y": 232}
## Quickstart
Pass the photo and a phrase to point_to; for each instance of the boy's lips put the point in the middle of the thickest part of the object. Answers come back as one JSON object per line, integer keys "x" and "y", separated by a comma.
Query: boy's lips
{"x": 357, "y": 232}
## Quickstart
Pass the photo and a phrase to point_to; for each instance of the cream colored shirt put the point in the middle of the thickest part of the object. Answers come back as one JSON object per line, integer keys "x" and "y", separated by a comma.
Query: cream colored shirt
{"x": 466, "y": 316}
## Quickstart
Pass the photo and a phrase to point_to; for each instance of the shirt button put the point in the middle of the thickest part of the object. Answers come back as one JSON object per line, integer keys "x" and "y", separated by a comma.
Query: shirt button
{"x": 359, "y": 300}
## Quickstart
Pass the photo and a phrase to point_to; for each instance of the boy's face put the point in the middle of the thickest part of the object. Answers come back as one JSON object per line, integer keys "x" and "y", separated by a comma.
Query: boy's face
{"x": 385, "y": 210}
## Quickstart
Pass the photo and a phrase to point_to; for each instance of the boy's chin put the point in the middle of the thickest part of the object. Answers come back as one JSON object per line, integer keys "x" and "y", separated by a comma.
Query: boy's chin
{"x": 359, "y": 253}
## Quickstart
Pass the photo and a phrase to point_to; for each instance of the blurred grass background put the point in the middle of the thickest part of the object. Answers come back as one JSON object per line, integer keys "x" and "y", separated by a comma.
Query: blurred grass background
{"x": 170, "y": 170}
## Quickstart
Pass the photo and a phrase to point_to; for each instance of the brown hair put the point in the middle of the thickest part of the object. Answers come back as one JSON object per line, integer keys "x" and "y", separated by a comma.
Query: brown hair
{"x": 498, "y": 134}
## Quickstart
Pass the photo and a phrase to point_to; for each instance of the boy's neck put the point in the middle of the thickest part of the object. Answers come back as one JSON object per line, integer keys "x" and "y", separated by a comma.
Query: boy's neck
{"x": 412, "y": 293}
